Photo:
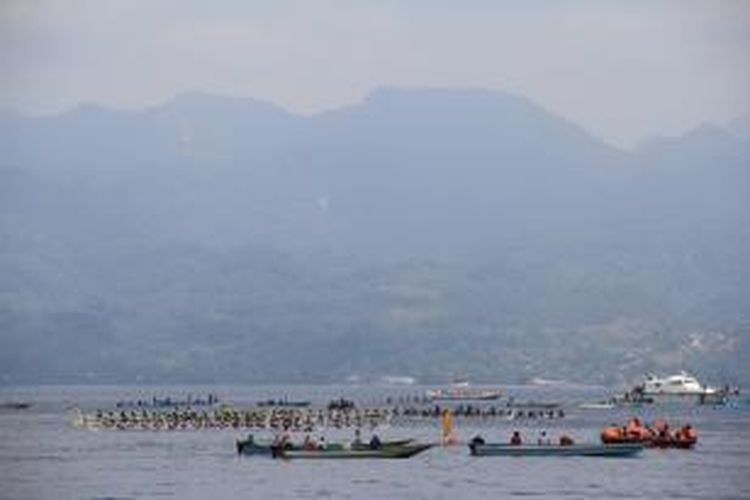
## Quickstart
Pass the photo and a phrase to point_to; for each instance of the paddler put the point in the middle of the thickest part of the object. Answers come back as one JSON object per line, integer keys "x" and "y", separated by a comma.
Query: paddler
{"x": 309, "y": 443}
{"x": 284, "y": 439}
{"x": 566, "y": 440}
{"x": 357, "y": 438}
{"x": 544, "y": 439}
{"x": 515, "y": 440}
{"x": 375, "y": 443}
{"x": 477, "y": 440}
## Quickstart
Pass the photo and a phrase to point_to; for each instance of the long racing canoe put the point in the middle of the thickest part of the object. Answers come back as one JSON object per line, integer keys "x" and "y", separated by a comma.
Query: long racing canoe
{"x": 399, "y": 451}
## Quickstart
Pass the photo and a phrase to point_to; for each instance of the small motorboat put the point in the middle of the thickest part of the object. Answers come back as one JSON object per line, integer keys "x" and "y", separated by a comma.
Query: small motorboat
{"x": 338, "y": 451}
{"x": 461, "y": 391}
{"x": 549, "y": 450}
{"x": 252, "y": 446}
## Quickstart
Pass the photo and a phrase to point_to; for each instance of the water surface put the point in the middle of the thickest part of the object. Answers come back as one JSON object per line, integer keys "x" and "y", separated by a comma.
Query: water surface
{"x": 42, "y": 456}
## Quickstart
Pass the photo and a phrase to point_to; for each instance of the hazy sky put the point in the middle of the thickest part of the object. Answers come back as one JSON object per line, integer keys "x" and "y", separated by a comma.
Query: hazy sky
{"x": 622, "y": 69}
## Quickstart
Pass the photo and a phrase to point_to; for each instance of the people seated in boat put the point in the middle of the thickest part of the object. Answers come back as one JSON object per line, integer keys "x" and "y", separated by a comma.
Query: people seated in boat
{"x": 566, "y": 440}
{"x": 477, "y": 440}
{"x": 632, "y": 429}
{"x": 636, "y": 431}
{"x": 544, "y": 439}
{"x": 659, "y": 425}
{"x": 322, "y": 443}
{"x": 687, "y": 430}
{"x": 612, "y": 434}
{"x": 278, "y": 440}
{"x": 309, "y": 443}
{"x": 357, "y": 438}
{"x": 284, "y": 440}
{"x": 375, "y": 442}
{"x": 685, "y": 437}
{"x": 663, "y": 437}
{"x": 515, "y": 439}
{"x": 664, "y": 432}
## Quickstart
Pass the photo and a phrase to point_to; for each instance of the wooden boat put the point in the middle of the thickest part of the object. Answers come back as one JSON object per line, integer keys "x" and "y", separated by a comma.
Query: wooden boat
{"x": 340, "y": 452}
{"x": 574, "y": 450}
{"x": 251, "y": 446}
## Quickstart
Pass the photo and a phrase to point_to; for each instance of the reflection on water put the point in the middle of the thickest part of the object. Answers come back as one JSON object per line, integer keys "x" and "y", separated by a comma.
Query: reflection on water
{"x": 43, "y": 456}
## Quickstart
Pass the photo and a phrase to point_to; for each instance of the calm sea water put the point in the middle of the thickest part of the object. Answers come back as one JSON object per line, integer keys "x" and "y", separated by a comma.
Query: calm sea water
{"x": 42, "y": 456}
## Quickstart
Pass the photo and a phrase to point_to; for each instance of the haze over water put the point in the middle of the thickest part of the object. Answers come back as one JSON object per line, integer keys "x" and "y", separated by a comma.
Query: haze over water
{"x": 245, "y": 192}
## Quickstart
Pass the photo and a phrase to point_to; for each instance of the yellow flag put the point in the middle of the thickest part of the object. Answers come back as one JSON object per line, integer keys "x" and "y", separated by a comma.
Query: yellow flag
{"x": 449, "y": 435}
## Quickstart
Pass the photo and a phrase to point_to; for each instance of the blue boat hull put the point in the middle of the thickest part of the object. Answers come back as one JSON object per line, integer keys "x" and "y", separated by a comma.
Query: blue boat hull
{"x": 576, "y": 450}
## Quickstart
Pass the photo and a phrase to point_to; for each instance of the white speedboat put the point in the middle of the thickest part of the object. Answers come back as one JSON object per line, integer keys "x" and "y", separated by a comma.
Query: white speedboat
{"x": 674, "y": 388}
{"x": 678, "y": 385}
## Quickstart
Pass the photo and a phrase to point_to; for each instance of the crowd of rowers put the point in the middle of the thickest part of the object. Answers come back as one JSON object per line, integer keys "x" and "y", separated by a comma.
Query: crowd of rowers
{"x": 658, "y": 434}
{"x": 285, "y": 440}
{"x": 168, "y": 402}
{"x": 299, "y": 419}
{"x": 228, "y": 418}
{"x": 478, "y": 411}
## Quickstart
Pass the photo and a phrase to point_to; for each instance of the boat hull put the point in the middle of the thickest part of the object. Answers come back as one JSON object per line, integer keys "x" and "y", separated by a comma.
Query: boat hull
{"x": 386, "y": 452}
{"x": 390, "y": 443}
{"x": 576, "y": 450}
{"x": 252, "y": 447}
{"x": 484, "y": 396}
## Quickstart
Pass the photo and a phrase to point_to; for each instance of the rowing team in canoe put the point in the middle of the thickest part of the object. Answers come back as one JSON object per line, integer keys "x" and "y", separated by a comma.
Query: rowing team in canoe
{"x": 517, "y": 440}
{"x": 408, "y": 448}
{"x": 298, "y": 419}
{"x": 283, "y": 447}
{"x": 284, "y": 441}
{"x": 657, "y": 435}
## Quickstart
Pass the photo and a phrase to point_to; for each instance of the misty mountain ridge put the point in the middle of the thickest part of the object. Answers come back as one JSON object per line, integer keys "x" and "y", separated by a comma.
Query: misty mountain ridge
{"x": 422, "y": 232}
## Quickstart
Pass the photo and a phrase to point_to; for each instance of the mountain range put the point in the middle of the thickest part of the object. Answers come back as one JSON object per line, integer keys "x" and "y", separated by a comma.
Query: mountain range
{"x": 423, "y": 232}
